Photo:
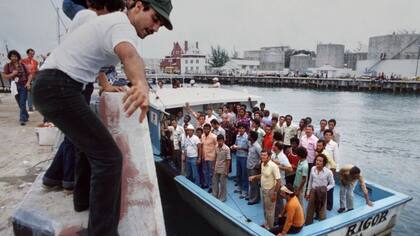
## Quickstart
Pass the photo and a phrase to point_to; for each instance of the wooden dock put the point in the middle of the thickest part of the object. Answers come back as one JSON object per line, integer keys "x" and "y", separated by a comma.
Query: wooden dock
{"x": 369, "y": 85}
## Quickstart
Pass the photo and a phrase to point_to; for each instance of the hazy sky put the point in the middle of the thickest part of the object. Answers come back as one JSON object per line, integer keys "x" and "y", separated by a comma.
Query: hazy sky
{"x": 239, "y": 24}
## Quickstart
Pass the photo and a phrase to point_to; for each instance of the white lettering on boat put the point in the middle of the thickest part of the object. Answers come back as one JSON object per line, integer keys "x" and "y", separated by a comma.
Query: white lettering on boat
{"x": 367, "y": 223}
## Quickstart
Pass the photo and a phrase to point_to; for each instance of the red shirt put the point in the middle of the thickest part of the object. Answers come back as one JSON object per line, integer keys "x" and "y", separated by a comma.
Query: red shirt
{"x": 22, "y": 74}
{"x": 31, "y": 65}
{"x": 294, "y": 160}
{"x": 267, "y": 143}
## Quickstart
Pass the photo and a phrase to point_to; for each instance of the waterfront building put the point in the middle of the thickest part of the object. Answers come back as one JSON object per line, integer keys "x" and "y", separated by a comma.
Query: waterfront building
{"x": 330, "y": 54}
{"x": 193, "y": 61}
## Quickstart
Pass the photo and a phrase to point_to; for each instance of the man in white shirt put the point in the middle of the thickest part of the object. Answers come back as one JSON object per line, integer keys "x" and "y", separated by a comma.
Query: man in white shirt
{"x": 177, "y": 135}
{"x": 337, "y": 135}
{"x": 288, "y": 131}
{"x": 331, "y": 147}
{"x": 191, "y": 148}
{"x": 57, "y": 95}
{"x": 284, "y": 165}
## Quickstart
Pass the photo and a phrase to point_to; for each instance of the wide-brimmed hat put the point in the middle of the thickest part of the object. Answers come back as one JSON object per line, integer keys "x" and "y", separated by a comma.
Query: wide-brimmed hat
{"x": 215, "y": 79}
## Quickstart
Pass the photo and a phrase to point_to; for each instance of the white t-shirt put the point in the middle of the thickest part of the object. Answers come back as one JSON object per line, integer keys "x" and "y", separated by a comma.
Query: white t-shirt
{"x": 91, "y": 46}
{"x": 283, "y": 161}
{"x": 190, "y": 145}
{"x": 210, "y": 118}
{"x": 81, "y": 17}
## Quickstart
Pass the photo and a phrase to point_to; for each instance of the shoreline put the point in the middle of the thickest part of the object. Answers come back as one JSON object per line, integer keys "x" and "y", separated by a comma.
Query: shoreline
{"x": 331, "y": 84}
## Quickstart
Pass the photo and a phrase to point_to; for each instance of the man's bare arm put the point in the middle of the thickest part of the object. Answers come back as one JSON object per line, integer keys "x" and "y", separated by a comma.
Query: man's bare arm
{"x": 138, "y": 95}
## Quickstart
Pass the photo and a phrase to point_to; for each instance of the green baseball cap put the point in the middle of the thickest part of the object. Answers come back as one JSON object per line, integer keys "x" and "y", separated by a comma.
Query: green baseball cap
{"x": 164, "y": 8}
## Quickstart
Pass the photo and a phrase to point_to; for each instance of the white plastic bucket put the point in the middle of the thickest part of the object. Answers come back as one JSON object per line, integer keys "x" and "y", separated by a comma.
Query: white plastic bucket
{"x": 46, "y": 136}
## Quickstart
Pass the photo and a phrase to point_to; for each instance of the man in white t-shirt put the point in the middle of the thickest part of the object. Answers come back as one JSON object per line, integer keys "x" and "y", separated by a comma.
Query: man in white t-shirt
{"x": 191, "y": 148}
{"x": 103, "y": 41}
{"x": 284, "y": 165}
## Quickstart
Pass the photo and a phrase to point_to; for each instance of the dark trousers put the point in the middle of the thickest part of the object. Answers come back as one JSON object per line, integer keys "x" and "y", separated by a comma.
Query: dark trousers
{"x": 279, "y": 228}
{"x": 59, "y": 98}
{"x": 330, "y": 199}
{"x": 21, "y": 98}
{"x": 254, "y": 187}
{"x": 61, "y": 170}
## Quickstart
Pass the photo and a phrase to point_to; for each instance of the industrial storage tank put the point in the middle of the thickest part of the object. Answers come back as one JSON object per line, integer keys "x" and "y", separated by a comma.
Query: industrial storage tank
{"x": 273, "y": 58}
{"x": 300, "y": 62}
{"x": 394, "y": 46}
{"x": 330, "y": 54}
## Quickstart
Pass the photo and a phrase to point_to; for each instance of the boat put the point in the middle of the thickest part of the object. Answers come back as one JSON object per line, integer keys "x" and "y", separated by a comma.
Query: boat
{"x": 234, "y": 216}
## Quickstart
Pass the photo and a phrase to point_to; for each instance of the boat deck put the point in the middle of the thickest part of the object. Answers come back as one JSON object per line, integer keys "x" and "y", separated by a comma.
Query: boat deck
{"x": 256, "y": 214}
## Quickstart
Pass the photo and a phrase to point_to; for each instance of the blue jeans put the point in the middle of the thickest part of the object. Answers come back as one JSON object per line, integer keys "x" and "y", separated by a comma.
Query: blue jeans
{"x": 30, "y": 106}
{"x": 61, "y": 170}
{"x": 208, "y": 172}
{"x": 192, "y": 170}
{"x": 71, "y": 9}
{"x": 59, "y": 98}
{"x": 242, "y": 173}
{"x": 21, "y": 98}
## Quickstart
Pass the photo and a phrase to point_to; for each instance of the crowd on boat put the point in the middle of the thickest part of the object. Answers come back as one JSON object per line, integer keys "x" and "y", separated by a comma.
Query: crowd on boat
{"x": 283, "y": 165}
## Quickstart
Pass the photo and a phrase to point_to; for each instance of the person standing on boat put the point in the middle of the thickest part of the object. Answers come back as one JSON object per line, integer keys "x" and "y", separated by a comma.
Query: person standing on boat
{"x": 301, "y": 175}
{"x": 256, "y": 126}
{"x": 320, "y": 149}
{"x": 57, "y": 95}
{"x": 322, "y": 127}
{"x": 280, "y": 159}
{"x": 292, "y": 219}
{"x": 221, "y": 169}
{"x": 321, "y": 180}
{"x": 270, "y": 185}
{"x": 191, "y": 146}
{"x": 331, "y": 146}
{"x": 332, "y": 123}
{"x": 177, "y": 134}
{"x": 253, "y": 166}
{"x": 349, "y": 174}
{"x": 309, "y": 141}
{"x": 288, "y": 130}
{"x": 241, "y": 148}
{"x": 242, "y": 119}
{"x": 217, "y": 129}
{"x": 32, "y": 67}
{"x": 267, "y": 143}
{"x": 209, "y": 144}
{"x": 16, "y": 72}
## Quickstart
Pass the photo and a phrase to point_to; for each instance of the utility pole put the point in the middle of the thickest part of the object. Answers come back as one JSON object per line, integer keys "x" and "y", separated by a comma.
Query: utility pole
{"x": 418, "y": 57}
{"x": 58, "y": 24}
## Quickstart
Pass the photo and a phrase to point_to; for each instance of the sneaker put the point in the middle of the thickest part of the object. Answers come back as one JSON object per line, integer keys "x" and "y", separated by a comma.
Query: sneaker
{"x": 237, "y": 191}
{"x": 341, "y": 210}
{"x": 350, "y": 209}
{"x": 243, "y": 195}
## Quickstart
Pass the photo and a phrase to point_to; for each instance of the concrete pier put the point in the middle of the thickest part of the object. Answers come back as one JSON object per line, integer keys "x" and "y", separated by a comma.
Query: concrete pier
{"x": 369, "y": 85}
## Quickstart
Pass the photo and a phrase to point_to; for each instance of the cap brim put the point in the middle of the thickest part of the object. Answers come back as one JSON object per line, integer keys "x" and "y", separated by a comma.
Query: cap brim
{"x": 165, "y": 16}
{"x": 285, "y": 189}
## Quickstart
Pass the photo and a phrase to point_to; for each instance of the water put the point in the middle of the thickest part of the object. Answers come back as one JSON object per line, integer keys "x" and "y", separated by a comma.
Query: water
{"x": 378, "y": 133}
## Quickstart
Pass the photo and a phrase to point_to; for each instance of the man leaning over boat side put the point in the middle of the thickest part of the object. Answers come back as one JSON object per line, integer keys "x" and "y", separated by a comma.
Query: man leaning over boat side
{"x": 57, "y": 95}
{"x": 349, "y": 174}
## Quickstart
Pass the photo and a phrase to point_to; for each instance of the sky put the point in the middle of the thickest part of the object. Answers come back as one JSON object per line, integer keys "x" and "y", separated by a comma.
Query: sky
{"x": 233, "y": 24}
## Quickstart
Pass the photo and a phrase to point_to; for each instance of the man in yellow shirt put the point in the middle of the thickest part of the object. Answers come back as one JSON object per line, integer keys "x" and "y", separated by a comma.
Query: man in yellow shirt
{"x": 270, "y": 184}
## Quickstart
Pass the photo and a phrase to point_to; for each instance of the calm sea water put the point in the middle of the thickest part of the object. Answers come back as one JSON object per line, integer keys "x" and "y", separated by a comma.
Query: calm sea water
{"x": 379, "y": 133}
